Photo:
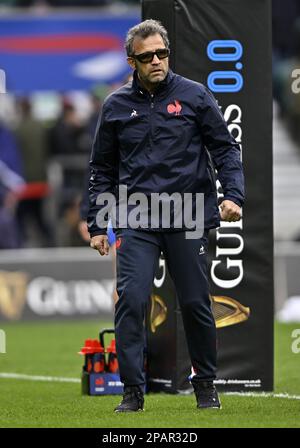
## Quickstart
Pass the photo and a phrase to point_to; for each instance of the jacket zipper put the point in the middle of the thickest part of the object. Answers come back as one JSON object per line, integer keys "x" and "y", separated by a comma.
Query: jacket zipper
{"x": 151, "y": 100}
{"x": 150, "y": 121}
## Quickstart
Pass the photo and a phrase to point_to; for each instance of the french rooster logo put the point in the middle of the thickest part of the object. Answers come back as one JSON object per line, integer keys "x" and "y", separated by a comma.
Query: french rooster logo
{"x": 174, "y": 108}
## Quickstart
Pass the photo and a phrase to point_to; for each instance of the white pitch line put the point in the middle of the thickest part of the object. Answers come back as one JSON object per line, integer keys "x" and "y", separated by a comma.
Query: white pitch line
{"x": 20, "y": 376}
{"x": 264, "y": 395}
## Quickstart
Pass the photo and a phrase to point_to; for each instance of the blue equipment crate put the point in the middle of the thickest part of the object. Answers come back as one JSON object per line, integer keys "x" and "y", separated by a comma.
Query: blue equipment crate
{"x": 105, "y": 384}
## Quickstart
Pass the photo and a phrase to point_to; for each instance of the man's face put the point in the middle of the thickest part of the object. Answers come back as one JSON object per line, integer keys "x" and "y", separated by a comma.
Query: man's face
{"x": 150, "y": 73}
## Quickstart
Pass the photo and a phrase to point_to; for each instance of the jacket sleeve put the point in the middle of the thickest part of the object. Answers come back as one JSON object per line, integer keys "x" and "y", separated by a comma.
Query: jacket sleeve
{"x": 224, "y": 150}
{"x": 103, "y": 168}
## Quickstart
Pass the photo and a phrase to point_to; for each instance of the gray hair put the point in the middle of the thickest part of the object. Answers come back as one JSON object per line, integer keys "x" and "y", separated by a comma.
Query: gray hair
{"x": 143, "y": 30}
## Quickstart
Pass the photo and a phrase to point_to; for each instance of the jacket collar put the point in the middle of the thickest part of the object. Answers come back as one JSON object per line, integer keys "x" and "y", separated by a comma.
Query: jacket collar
{"x": 137, "y": 86}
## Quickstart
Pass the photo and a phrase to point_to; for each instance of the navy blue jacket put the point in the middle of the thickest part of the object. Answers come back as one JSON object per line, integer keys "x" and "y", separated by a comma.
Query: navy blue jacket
{"x": 160, "y": 143}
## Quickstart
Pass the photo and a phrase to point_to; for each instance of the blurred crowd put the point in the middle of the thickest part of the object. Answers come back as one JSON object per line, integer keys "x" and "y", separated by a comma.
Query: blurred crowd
{"x": 64, "y": 3}
{"x": 43, "y": 173}
{"x": 286, "y": 58}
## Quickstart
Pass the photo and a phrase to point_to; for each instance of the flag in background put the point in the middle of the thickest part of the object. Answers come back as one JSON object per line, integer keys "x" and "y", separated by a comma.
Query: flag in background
{"x": 63, "y": 51}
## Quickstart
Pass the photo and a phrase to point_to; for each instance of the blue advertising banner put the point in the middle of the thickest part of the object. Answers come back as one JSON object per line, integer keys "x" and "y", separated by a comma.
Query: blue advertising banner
{"x": 63, "y": 51}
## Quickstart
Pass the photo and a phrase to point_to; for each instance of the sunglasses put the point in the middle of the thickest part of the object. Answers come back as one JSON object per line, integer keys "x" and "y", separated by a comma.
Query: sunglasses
{"x": 149, "y": 55}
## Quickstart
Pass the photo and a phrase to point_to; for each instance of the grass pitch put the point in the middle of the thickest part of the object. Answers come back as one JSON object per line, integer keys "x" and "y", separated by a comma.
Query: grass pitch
{"x": 50, "y": 349}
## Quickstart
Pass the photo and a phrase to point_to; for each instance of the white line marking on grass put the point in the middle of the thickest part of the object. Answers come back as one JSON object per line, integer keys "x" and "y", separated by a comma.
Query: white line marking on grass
{"x": 264, "y": 395}
{"x": 59, "y": 379}
{"x": 20, "y": 376}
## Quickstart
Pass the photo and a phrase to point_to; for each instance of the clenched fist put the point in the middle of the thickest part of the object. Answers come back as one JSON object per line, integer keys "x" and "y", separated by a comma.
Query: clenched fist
{"x": 100, "y": 243}
{"x": 230, "y": 211}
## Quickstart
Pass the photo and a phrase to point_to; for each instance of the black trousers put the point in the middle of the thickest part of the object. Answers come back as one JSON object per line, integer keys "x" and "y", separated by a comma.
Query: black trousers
{"x": 137, "y": 259}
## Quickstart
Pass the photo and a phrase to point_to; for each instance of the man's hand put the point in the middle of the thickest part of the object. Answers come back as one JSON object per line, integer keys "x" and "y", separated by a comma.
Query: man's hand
{"x": 230, "y": 211}
{"x": 83, "y": 231}
{"x": 100, "y": 243}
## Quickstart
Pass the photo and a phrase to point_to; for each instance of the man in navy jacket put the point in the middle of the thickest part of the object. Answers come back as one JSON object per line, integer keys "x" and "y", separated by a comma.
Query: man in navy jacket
{"x": 158, "y": 135}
